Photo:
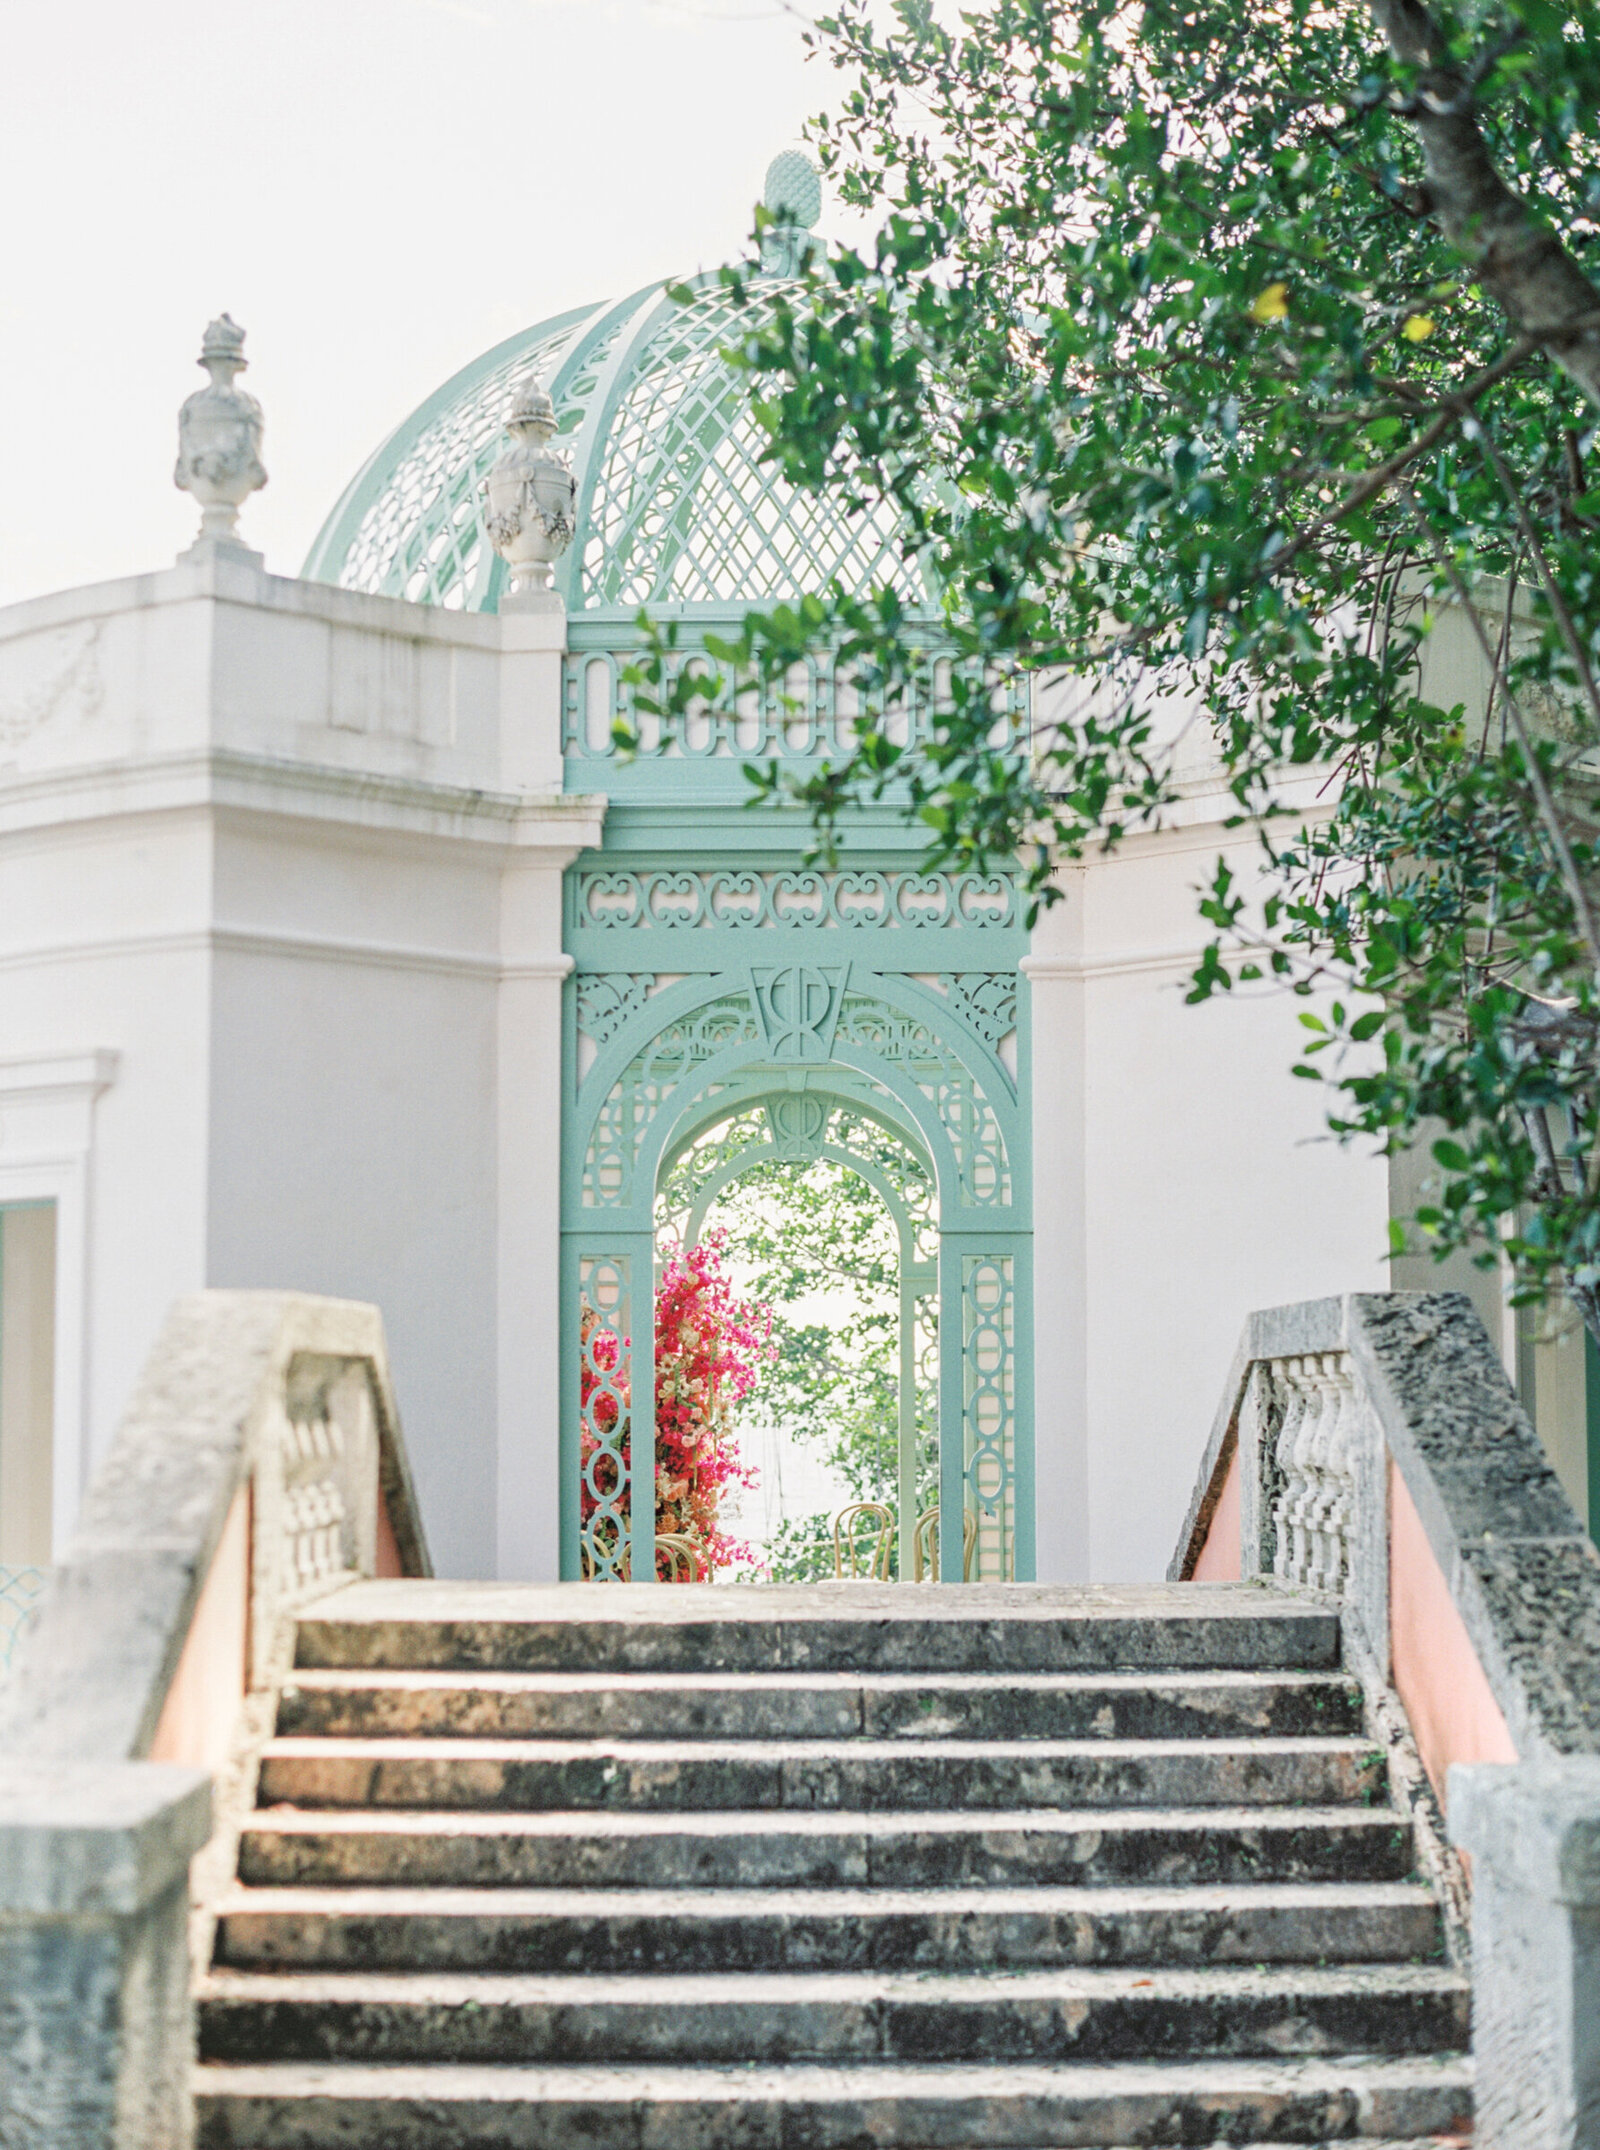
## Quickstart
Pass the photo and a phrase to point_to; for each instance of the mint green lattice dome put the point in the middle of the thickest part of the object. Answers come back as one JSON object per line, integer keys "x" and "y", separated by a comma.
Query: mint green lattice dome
{"x": 675, "y": 507}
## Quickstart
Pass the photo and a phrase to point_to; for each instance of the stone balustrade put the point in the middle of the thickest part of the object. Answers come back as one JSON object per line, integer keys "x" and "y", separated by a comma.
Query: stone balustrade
{"x": 259, "y": 1464}
{"x": 1371, "y": 1449}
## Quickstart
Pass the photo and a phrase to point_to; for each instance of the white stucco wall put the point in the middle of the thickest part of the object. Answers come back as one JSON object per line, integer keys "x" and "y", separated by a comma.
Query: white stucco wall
{"x": 1182, "y": 1179}
{"x": 255, "y": 844}
{"x": 352, "y": 1116}
{"x": 102, "y": 949}
{"x": 281, "y": 867}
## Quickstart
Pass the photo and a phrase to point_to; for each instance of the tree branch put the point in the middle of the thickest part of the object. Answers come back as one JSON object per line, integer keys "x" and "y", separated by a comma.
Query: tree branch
{"x": 1519, "y": 261}
{"x": 1544, "y": 798}
{"x": 1565, "y": 625}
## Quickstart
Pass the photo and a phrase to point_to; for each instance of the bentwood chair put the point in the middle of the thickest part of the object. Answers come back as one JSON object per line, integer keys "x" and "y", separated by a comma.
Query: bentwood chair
{"x": 925, "y": 1545}
{"x": 864, "y": 1530}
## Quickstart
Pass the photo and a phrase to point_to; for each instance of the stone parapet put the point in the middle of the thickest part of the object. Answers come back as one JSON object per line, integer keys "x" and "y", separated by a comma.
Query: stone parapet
{"x": 1373, "y": 1450}
{"x": 1533, "y": 1832}
{"x": 96, "y": 2019}
{"x": 258, "y": 1465}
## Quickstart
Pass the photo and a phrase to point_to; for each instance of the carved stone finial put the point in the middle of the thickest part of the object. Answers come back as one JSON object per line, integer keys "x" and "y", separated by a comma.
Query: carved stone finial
{"x": 219, "y": 436}
{"x": 530, "y": 495}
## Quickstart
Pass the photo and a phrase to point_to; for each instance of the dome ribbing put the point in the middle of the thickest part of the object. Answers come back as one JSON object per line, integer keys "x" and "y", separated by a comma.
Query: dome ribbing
{"x": 675, "y": 508}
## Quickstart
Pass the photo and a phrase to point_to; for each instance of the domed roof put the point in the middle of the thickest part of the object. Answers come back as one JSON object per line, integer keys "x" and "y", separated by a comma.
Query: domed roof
{"x": 675, "y": 508}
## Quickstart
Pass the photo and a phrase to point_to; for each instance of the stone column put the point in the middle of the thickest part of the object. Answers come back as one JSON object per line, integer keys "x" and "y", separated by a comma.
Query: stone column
{"x": 96, "y": 2012}
{"x": 531, "y": 1084}
{"x": 1533, "y": 1832}
{"x": 531, "y": 1091}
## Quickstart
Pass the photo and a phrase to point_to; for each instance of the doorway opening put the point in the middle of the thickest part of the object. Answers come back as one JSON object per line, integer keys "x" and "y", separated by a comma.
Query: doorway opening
{"x": 27, "y": 1408}
{"x": 828, "y": 1223}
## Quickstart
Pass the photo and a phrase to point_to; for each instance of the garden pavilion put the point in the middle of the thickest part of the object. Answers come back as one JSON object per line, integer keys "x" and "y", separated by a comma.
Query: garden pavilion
{"x": 345, "y": 951}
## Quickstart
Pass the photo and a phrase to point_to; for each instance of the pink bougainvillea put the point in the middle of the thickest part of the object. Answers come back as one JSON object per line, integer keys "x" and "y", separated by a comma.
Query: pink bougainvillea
{"x": 709, "y": 1346}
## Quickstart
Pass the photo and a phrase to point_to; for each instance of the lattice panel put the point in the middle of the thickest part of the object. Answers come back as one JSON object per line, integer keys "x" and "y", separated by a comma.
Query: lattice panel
{"x": 605, "y": 1348}
{"x": 946, "y": 1082}
{"x": 675, "y": 503}
{"x": 644, "y": 1086}
{"x": 683, "y": 507}
{"x": 988, "y": 1357}
{"x": 863, "y": 899}
{"x": 422, "y": 537}
{"x": 21, "y": 1590}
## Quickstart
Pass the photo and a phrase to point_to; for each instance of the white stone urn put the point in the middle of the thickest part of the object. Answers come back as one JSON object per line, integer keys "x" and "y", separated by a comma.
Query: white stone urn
{"x": 219, "y": 436}
{"x": 530, "y": 496}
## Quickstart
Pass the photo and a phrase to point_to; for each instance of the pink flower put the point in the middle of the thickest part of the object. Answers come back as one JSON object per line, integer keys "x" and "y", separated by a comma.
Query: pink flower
{"x": 709, "y": 1348}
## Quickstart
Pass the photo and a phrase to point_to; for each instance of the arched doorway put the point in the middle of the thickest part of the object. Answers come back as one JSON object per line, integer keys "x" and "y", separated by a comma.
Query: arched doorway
{"x": 767, "y": 1010}
{"x": 800, "y": 1129}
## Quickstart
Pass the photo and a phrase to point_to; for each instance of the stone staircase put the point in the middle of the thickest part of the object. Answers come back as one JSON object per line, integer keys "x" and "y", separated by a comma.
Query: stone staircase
{"x": 810, "y": 1869}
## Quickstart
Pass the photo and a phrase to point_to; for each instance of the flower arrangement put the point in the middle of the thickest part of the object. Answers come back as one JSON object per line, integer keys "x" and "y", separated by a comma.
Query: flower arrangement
{"x": 709, "y": 1347}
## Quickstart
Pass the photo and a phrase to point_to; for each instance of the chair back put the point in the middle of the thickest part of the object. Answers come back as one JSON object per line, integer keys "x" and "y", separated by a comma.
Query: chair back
{"x": 864, "y": 1530}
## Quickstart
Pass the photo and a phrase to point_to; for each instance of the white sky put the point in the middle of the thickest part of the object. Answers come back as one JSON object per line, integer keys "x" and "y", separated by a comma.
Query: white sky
{"x": 377, "y": 189}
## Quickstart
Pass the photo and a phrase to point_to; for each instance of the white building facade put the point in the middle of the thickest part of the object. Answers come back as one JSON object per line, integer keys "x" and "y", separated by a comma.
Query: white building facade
{"x": 306, "y": 888}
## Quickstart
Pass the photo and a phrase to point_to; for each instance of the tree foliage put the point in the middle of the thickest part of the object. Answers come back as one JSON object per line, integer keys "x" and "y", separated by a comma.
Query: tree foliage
{"x": 1213, "y": 357}
{"x": 823, "y": 1234}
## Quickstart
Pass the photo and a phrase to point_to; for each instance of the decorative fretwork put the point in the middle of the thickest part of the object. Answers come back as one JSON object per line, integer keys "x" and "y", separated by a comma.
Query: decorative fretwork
{"x": 988, "y": 1000}
{"x": 798, "y": 1127}
{"x": 644, "y": 1085}
{"x": 422, "y": 536}
{"x": 949, "y": 1086}
{"x": 988, "y": 1320}
{"x": 789, "y": 897}
{"x": 607, "y": 1000}
{"x": 703, "y": 1162}
{"x": 857, "y": 1136}
{"x": 687, "y": 504}
{"x": 815, "y": 709}
{"x": 605, "y": 1347}
{"x": 675, "y": 500}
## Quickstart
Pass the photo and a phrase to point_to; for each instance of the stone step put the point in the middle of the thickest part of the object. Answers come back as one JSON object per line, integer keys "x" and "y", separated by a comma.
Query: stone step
{"x": 706, "y": 1774}
{"x": 813, "y": 1627}
{"x": 290, "y": 1846}
{"x": 732, "y": 1930}
{"x": 307, "y": 2106}
{"x": 833, "y": 1705}
{"x": 1085, "y": 2015}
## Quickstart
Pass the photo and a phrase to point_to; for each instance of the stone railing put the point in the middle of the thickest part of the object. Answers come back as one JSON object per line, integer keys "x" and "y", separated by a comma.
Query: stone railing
{"x": 259, "y": 1464}
{"x": 1371, "y": 1449}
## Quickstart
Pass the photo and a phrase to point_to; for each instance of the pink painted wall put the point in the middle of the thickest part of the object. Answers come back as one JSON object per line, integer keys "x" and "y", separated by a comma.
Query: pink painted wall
{"x": 1453, "y": 1714}
{"x": 203, "y": 1703}
{"x": 1221, "y": 1558}
{"x": 201, "y": 1711}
